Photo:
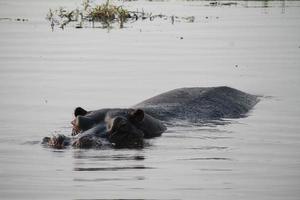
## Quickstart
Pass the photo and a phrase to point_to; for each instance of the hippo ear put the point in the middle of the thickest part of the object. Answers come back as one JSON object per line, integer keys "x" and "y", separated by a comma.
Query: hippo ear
{"x": 79, "y": 111}
{"x": 137, "y": 115}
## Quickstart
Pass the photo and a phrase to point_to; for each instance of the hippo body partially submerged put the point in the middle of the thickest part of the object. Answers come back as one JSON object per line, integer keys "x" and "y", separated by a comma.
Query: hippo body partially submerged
{"x": 128, "y": 127}
{"x": 198, "y": 104}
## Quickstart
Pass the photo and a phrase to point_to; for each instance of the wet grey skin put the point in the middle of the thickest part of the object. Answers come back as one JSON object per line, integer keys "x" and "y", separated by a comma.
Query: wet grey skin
{"x": 199, "y": 104}
{"x": 127, "y": 128}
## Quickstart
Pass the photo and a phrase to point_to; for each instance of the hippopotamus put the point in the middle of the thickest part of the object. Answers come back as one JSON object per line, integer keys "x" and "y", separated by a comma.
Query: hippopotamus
{"x": 128, "y": 127}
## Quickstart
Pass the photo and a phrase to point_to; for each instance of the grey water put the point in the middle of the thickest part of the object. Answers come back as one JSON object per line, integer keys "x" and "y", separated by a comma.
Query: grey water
{"x": 253, "y": 46}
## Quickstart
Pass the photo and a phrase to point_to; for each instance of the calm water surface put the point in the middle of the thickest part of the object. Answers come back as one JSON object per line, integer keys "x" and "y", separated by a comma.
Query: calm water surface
{"x": 252, "y": 46}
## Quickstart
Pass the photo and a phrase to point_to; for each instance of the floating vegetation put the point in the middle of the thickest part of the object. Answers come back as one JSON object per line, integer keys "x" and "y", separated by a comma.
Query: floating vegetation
{"x": 103, "y": 15}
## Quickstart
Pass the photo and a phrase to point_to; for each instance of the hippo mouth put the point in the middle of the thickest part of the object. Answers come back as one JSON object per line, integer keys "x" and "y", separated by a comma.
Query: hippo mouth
{"x": 57, "y": 141}
{"x": 75, "y": 128}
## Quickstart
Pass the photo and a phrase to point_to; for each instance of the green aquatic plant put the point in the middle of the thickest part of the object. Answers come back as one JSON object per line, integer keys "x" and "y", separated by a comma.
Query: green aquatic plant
{"x": 108, "y": 14}
{"x": 105, "y": 14}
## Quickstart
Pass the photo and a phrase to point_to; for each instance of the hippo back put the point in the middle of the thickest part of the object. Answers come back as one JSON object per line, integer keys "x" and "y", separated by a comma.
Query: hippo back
{"x": 197, "y": 104}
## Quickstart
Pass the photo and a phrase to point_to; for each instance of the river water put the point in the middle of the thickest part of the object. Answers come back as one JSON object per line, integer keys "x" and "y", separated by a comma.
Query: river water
{"x": 44, "y": 75}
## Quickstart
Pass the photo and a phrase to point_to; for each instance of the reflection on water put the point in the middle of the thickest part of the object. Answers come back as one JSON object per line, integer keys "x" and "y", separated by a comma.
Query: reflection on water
{"x": 111, "y": 168}
{"x": 109, "y": 179}
{"x": 215, "y": 170}
{"x": 80, "y": 155}
{"x": 243, "y": 3}
{"x": 208, "y": 148}
{"x": 122, "y": 199}
{"x": 206, "y": 159}
{"x": 268, "y": 4}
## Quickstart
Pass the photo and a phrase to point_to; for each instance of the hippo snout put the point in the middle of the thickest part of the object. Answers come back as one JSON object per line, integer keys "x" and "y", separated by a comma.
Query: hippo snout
{"x": 57, "y": 142}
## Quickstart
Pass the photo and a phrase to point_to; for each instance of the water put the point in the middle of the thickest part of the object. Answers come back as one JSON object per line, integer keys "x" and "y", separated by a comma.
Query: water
{"x": 251, "y": 46}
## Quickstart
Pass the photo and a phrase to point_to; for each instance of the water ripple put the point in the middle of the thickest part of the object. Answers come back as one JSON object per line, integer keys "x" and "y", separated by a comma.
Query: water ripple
{"x": 216, "y": 170}
{"x": 119, "y": 157}
{"x": 108, "y": 179}
{"x": 110, "y": 168}
{"x": 208, "y": 148}
{"x": 124, "y": 199}
{"x": 208, "y": 158}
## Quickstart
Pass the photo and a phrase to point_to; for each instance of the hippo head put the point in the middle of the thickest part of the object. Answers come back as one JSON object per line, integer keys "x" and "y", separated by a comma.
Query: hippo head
{"x": 123, "y": 128}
